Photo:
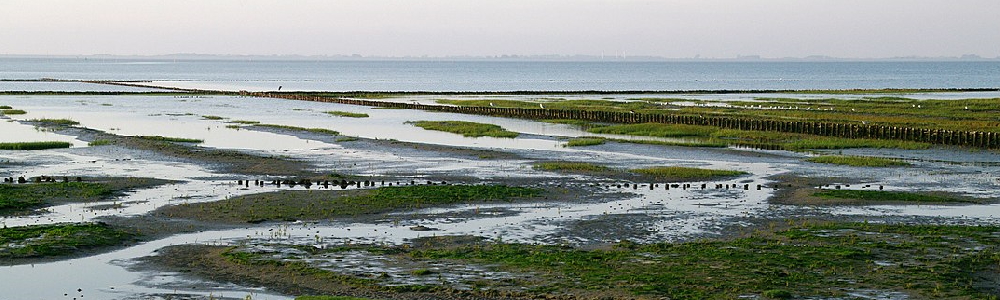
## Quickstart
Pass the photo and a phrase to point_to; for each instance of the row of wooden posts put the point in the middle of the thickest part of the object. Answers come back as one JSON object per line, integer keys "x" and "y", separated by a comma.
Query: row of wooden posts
{"x": 975, "y": 139}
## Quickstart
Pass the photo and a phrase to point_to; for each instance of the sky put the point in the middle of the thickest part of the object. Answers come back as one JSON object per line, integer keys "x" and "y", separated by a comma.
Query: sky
{"x": 395, "y": 28}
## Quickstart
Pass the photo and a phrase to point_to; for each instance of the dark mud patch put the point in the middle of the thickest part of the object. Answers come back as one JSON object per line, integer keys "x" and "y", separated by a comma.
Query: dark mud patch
{"x": 215, "y": 263}
{"x": 800, "y": 259}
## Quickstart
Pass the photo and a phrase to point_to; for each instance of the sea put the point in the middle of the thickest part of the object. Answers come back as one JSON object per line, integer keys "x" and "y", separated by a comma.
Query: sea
{"x": 465, "y": 76}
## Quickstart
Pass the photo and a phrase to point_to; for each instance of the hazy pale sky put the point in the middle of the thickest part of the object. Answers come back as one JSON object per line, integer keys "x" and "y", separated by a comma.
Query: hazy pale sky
{"x": 667, "y": 28}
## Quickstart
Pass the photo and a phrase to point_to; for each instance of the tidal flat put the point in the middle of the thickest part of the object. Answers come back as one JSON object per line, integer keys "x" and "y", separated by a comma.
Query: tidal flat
{"x": 313, "y": 205}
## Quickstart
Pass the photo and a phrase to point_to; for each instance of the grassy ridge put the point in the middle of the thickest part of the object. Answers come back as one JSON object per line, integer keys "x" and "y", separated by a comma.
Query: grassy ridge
{"x": 58, "y": 240}
{"x": 886, "y": 196}
{"x": 171, "y": 139}
{"x": 346, "y": 114}
{"x": 585, "y": 141}
{"x": 857, "y": 161}
{"x": 686, "y": 172}
{"x": 296, "y": 128}
{"x": 35, "y": 145}
{"x": 315, "y": 205}
{"x": 12, "y": 112}
{"x": 468, "y": 129}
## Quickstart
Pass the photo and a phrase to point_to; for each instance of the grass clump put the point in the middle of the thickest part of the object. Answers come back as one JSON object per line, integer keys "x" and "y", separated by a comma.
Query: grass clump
{"x": 468, "y": 129}
{"x": 5, "y": 107}
{"x": 346, "y": 114}
{"x": 685, "y": 172}
{"x": 296, "y": 128}
{"x": 12, "y": 112}
{"x": 346, "y": 139}
{"x": 582, "y": 167}
{"x": 211, "y": 117}
{"x": 886, "y": 196}
{"x": 101, "y": 142}
{"x": 857, "y": 161}
{"x": 171, "y": 139}
{"x": 320, "y": 204}
{"x": 56, "y": 122}
{"x": 656, "y": 129}
{"x": 585, "y": 141}
{"x": 245, "y": 122}
{"x": 22, "y": 197}
{"x": 57, "y": 240}
{"x": 34, "y": 145}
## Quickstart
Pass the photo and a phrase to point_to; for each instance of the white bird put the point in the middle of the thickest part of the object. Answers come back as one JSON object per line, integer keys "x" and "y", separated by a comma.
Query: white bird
{"x": 541, "y": 106}
{"x": 491, "y": 104}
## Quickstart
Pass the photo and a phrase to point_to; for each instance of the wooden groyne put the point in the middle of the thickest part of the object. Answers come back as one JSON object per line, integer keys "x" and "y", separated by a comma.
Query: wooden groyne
{"x": 977, "y": 139}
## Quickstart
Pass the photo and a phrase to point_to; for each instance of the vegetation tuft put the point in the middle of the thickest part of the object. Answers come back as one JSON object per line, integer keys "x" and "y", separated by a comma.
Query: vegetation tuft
{"x": 346, "y": 114}
{"x": 585, "y": 141}
{"x": 579, "y": 167}
{"x": 55, "y": 122}
{"x": 12, "y": 112}
{"x": 295, "y": 128}
{"x": 34, "y": 145}
{"x": 170, "y": 139}
{"x": 469, "y": 129}
{"x": 857, "y": 161}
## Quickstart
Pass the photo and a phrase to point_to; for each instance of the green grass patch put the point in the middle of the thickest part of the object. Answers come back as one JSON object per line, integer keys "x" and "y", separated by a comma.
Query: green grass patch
{"x": 707, "y": 143}
{"x": 857, "y": 161}
{"x": 34, "y": 145}
{"x": 887, "y": 196}
{"x": 325, "y": 204}
{"x": 346, "y": 114}
{"x": 468, "y": 129}
{"x": 170, "y": 139}
{"x": 57, "y": 240}
{"x": 802, "y": 142}
{"x": 234, "y": 126}
{"x": 245, "y": 122}
{"x": 800, "y": 261}
{"x": 582, "y": 167}
{"x": 656, "y": 129}
{"x": 685, "y": 172}
{"x": 211, "y": 117}
{"x": 346, "y": 139}
{"x": 100, "y": 142}
{"x": 296, "y": 128}
{"x": 580, "y": 123}
{"x": 330, "y": 298}
{"x": 12, "y": 112}
{"x": 585, "y": 141}
{"x": 56, "y": 122}
{"x": 5, "y": 107}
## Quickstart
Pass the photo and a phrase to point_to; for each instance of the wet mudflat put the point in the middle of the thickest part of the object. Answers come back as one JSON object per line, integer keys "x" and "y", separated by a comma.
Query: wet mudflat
{"x": 550, "y": 244}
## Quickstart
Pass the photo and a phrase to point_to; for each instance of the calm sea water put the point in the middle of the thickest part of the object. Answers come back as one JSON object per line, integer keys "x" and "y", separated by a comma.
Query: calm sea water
{"x": 510, "y": 76}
